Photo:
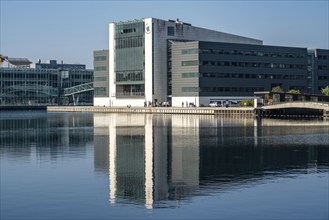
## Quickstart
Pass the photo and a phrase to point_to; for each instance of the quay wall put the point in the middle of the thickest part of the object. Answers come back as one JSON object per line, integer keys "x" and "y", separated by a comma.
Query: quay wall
{"x": 249, "y": 112}
{"x": 22, "y": 107}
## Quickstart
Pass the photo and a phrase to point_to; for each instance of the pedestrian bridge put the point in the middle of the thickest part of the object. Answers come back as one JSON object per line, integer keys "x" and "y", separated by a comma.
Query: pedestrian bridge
{"x": 294, "y": 109}
{"x": 298, "y": 105}
{"x": 78, "y": 89}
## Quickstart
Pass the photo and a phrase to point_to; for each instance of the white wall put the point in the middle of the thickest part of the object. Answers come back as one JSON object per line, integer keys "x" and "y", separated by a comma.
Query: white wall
{"x": 177, "y": 101}
{"x": 112, "y": 87}
{"x": 125, "y": 102}
{"x": 148, "y": 61}
{"x": 101, "y": 101}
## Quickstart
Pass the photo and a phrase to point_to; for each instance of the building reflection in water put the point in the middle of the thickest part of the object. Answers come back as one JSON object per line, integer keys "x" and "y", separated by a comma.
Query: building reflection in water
{"x": 42, "y": 135}
{"x": 155, "y": 159}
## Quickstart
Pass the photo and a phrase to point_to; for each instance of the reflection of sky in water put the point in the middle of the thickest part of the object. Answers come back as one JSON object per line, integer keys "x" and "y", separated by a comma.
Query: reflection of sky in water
{"x": 190, "y": 166}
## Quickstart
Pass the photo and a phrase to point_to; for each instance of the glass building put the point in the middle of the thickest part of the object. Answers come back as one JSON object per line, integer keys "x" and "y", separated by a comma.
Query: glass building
{"x": 46, "y": 85}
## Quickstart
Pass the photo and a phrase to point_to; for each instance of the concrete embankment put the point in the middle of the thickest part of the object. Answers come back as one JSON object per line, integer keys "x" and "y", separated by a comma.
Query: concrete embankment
{"x": 22, "y": 107}
{"x": 231, "y": 111}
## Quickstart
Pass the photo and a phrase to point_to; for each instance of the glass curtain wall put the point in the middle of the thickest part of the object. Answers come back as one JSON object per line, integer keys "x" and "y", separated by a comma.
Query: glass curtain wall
{"x": 129, "y": 59}
{"x": 27, "y": 86}
{"x": 24, "y": 86}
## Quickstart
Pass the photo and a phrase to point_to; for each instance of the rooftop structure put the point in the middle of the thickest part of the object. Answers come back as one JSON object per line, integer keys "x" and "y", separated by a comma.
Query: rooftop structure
{"x": 14, "y": 62}
{"x": 52, "y": 64}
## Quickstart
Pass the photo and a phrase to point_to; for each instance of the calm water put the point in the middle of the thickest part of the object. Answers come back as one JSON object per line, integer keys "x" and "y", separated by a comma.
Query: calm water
{"x": 103, "y": 166}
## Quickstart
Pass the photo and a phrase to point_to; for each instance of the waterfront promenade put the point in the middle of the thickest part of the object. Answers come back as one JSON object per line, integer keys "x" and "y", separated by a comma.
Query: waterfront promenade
{"x": 290, "y": 110}
{"x": 232, "y": 111}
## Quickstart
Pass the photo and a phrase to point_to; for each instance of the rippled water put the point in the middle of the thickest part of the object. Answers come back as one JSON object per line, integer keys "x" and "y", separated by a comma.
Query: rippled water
{"x": 101, "y": 166}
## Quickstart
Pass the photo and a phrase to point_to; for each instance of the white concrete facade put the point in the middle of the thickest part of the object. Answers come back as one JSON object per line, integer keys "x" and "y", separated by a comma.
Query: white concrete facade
{"x": 155, "y": 38}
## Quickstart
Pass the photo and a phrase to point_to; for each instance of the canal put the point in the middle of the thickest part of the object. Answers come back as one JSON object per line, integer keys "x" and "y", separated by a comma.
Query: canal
{"x": 143, "y": 166}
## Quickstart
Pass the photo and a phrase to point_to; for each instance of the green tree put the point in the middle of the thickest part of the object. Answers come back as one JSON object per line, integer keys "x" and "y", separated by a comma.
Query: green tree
{"x": 277, "y": 89}
{"x": 247, "y": 103}
{"x": 325, "y": 91}
{"x": 294, "y": 91}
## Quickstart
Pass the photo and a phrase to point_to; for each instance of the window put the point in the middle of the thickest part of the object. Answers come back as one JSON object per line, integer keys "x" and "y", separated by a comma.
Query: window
{"x": 99, "y": 91}
{"x": 100, "y": 78}
{"x": 171, "y": 31}
{"x": 100, "y": 68}
{"x": 190, "y": 51}
{"x": 128, "y": 30}
{"x": 190, "y": 89}
{"x": 100, "y": 58}
{"x": 190, "y": 75}
{"x": 190, "y": 63}
{"x": 129, "y": 42}
{"x": 124, "y": 76}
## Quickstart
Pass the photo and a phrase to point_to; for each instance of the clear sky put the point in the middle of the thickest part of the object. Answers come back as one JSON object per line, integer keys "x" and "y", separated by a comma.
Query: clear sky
{"x": 72, "y": 30}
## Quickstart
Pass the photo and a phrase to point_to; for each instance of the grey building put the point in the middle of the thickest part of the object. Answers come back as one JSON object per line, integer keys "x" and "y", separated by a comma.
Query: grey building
{"x": 101, "y": 74}
{"x": 201, "y": 72}
{"x": 318, "y": 70}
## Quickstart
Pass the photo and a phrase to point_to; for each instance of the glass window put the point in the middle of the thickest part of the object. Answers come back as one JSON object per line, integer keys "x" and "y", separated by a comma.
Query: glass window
{"x": 171, "y": 31}
{"x": 190, "y": 89}
{"x": 100, "y": 68}
{"x": 190, "y": 75}
{"x": 99, "y": 91}
{"x": 190, "y": 63}
{"x": 100, "y": 78}
{"x": 190, "y": 51}
{"x": 100, "y": 58}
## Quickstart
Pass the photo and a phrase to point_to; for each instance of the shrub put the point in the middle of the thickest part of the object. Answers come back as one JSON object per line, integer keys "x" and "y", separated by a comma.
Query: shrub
{"x": 247, "y": 103}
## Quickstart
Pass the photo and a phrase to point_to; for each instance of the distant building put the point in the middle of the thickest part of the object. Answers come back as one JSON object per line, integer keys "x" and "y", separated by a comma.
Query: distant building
{"x": 45, "y": 85}
{"x": 52, "y": 64}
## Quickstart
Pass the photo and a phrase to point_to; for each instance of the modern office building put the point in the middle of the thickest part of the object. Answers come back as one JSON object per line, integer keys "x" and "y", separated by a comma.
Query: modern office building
{"x": 138, "y": 58}
{"x": 46, "y": 84}
{"x": 153, "y": 61}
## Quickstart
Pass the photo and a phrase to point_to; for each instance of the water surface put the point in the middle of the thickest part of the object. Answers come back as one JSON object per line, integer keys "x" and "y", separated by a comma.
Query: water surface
{"x": 101, "y": 166}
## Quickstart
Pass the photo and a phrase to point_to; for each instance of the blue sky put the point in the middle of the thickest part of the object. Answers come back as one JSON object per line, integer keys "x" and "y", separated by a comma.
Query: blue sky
{"x": 72, "y": 30}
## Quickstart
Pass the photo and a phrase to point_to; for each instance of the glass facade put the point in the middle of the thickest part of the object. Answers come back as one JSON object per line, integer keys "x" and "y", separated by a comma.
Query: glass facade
{"x": 129, "y": 59}
{"x": 31, "y": 86}
{"x": 28, "y": 86}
